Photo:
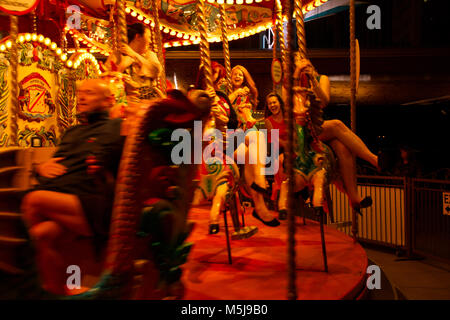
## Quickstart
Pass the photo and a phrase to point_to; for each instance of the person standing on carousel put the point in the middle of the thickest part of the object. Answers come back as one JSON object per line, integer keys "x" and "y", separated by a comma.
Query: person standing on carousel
{"x": 138, "y": 61}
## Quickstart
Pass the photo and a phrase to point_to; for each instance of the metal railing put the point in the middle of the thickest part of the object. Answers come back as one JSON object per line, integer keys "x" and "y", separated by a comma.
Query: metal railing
{"x": 406, "y": 214}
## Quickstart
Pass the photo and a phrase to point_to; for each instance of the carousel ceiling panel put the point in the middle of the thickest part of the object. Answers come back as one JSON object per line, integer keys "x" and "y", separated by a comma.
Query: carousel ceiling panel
{"x": 178, "y": 18}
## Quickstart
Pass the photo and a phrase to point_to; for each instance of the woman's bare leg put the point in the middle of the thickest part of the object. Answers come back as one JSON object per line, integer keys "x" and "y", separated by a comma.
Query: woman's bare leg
{"x": 347, "y": 169}
{"x": 50, "y": 216}
{"x": 318, "y": 181}
{"x": 336, "y": 129}
{"x": 217, "y": 203}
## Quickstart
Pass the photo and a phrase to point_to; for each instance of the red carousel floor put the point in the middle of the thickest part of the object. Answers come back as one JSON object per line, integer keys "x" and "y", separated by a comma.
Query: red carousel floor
{"x": 259, "y": 264}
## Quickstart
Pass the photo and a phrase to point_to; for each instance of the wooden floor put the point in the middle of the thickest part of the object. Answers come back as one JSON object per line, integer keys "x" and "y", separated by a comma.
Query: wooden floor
{"x": 259, "y": 264}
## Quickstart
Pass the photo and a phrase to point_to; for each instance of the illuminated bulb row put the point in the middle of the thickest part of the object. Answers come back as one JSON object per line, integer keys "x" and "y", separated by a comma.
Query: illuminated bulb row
{"x": 195, "y": 40}
{"x": 305, "y": 9}
{"x": 27, "y": 37}
{"x": 88, "y": 42}
{"x": 136, "y": 13}
{"x": 235, "y": 1}
{"x": 81, "y": 58}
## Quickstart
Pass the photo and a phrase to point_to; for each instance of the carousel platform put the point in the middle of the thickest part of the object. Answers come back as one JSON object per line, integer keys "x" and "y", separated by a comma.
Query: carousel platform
{"x": 259, "y": 264}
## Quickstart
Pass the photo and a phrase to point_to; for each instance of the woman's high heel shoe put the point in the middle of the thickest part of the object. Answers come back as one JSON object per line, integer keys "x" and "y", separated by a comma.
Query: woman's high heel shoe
{"x": 364, "y": 203}
{"x": 213, "y": 228}
{"x": 272, "y": 223}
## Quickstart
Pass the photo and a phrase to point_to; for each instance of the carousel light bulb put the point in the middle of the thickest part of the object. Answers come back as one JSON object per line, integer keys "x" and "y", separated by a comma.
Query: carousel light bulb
{"x": 47, "y": 41}
{"x": 179, "y": 35}
{"x": 34, "y": 37}
{"x": 69, "y": 64}
{"x": 220, "y": 1}
{"x": 53, "y": 46}
{"x": 146, "y": 21}
{"x": 153, "y": 25}
{"x": 9, "y": 44}
{"x": 2, "y": 47}
{"x": 258, "y": 1}
{"x": 64, "y": 57}
{"x": 166, "y": 45}
{"x": 21, "y": 39}
{"x": 134, "y": 14}
{"x": 239, "y": 1}
{"x": 28, "y": 37}
{"x": 248, "y": 1}
{"x": 58, "y": 51}
{"x": 41, "y": 38}
{"x": 230, "y": 1}
{"x": 127, "y": 10}
{"x": 186, "y": 37}
{"x": 166, "y": 30}
{"x": 140, "y": 18}
{"x": 172, "y": 33}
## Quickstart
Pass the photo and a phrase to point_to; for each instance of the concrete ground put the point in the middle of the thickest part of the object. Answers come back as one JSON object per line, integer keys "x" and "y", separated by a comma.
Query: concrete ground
{"x": 425, "y": 279}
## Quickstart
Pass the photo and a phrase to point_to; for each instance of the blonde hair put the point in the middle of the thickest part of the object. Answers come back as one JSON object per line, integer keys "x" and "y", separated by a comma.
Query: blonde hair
{"x": 248, "y": 81}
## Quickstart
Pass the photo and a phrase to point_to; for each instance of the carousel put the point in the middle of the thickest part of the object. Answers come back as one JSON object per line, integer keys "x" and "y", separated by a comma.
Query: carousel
{"x": 192, "y": 220}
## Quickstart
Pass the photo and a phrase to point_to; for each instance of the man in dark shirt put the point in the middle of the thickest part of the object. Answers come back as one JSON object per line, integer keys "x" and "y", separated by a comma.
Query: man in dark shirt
{"x": 70, "y": 197}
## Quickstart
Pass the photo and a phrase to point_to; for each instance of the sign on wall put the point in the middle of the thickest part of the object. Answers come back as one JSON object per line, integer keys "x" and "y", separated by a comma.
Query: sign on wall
{"x": 446, "y": 203}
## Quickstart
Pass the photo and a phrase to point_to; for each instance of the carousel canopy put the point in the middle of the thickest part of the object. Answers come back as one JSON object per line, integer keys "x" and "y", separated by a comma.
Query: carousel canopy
{"x": 177, "y": 18}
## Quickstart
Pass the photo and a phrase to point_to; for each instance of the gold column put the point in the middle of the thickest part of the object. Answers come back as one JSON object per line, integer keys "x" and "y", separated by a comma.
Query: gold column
{"x": 160, "y": 50}
{"x": 14, "y": 61}
{"x": 292, "y": 290}
{"x": 226, "y": 47}
{"x": 205, "y": 58}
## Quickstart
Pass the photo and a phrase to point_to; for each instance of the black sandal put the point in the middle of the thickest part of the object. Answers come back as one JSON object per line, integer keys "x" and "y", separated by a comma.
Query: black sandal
{"x": 213, "y": 228}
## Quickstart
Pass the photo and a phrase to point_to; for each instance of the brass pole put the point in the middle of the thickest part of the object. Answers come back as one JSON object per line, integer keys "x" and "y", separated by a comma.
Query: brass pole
{"x": 121, "y": 23}
{"x": 301, "y": 36}
{"x": 121, "y": 30}
{"x": 205, "y": 58}
{"x": 292, "y": 290}
{"x": 353, "y": 97}
{"x": 352, "y": 66}
{"x": 274, "y": 50}
{"x": 160, "y": 51}
{"x": 226, "y": 47}
{"x": 14, "y": 61}
{"x": 280, "y": 31}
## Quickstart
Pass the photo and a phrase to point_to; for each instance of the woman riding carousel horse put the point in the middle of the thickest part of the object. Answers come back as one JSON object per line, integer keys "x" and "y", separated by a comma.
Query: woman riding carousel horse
{"x": 342, "y": 140}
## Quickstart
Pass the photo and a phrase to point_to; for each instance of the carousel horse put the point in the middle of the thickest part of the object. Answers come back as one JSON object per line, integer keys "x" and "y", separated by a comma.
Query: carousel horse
{"x": 315, "y": 165}
{"x": 147, "y": 240}
{"x": 219, "y": 177}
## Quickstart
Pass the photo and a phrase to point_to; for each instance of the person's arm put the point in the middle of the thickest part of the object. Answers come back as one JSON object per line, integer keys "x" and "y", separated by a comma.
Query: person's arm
{"x": 269, "y": 126}
{"x": 322, "y": 89}
{"x": 149, "y": 62}
{"x": 112, "y": 65}
{"x": 238, "y": 92}
{"x": 51, "y": 168}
